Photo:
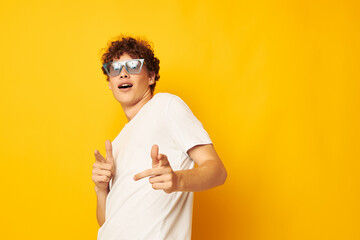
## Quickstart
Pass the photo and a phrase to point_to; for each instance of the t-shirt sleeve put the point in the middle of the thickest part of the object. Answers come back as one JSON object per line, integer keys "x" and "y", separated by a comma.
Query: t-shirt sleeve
{"x": 186, "y": 130}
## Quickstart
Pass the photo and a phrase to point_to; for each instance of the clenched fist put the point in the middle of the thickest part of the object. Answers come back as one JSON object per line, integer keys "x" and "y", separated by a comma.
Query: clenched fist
{"x": 103, "y": 169}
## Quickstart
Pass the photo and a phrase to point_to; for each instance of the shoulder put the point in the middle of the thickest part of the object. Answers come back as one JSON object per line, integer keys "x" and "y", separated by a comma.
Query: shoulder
{"x": 162, "y": 96}
{"x": 171, "y": 106}
{"x": 168, "y": 100}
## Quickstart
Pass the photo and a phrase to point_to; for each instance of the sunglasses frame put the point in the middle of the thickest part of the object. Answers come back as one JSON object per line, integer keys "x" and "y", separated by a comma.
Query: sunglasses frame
{"x": 123, "y": 64}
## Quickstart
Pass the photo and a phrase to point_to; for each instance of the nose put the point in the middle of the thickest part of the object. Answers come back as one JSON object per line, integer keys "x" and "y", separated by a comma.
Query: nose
{"x": 124, "y": 73}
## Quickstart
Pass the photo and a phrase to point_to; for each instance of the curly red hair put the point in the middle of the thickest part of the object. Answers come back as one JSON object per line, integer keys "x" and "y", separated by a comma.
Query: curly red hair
{"x": 136, "y": 48}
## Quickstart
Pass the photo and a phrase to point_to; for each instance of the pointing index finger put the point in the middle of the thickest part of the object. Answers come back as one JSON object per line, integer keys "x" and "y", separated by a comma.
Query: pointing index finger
{"x": 98, "y": 156}
{"x": 148, "y": 173}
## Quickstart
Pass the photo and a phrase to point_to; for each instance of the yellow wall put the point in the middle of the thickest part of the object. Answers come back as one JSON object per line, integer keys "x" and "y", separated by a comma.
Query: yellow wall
{"x": 275, "y": 83}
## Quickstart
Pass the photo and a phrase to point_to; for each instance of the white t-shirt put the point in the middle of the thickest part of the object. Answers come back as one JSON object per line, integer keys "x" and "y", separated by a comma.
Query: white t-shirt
{"x": 134, "y": 210}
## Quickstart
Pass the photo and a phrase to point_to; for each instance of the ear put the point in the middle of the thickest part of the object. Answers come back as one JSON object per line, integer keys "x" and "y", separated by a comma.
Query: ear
{"x": 152, "y": 78}
{"x": 109, "y": 86}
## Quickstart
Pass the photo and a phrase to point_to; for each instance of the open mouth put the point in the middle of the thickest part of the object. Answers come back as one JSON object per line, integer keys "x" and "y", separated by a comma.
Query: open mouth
{"x": 125, "y": 85}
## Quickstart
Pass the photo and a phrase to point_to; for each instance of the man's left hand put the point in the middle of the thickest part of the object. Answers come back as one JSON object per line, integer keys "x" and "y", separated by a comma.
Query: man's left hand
{"x": 161, "y": 175}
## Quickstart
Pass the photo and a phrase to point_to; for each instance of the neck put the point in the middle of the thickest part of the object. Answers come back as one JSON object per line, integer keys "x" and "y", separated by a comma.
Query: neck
{"x": 131, "y": 110}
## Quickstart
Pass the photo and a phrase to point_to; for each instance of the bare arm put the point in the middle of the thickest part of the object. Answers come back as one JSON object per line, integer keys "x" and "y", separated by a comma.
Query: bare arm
{"x": 103, "y": 171}
{"x": 101, "y": 205}
{"x": 209, "y": 173}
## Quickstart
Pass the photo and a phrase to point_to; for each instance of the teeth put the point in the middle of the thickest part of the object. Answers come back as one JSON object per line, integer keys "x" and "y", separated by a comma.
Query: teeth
{"x": 125, "y": 85}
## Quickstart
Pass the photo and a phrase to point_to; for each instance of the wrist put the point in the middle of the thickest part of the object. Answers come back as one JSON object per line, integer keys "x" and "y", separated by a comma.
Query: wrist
{"x": 179, "y": 181}
{"x": 101, "y": 190}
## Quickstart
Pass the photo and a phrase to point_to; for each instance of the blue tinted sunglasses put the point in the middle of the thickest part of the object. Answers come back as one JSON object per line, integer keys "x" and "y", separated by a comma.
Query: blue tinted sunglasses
{"x": 132, "y": 66}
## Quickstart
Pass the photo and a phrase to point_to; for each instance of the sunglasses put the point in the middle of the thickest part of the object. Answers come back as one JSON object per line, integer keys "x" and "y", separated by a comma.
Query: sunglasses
{"x": 132, "y": 66}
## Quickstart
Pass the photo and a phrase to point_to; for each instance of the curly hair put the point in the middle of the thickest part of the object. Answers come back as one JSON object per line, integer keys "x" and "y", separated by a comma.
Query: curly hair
{"x": 136, "y": 48}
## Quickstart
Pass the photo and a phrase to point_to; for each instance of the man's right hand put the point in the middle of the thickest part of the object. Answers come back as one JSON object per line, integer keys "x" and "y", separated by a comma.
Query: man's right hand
{"x": 103, "y": 169}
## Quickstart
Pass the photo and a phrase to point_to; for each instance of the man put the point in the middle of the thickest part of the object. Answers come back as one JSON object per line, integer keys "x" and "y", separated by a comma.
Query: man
{"x": 145, "y": 184}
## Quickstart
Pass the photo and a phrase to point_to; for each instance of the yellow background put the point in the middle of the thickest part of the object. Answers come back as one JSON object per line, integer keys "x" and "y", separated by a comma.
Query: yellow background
{"x": 275, "y": 83}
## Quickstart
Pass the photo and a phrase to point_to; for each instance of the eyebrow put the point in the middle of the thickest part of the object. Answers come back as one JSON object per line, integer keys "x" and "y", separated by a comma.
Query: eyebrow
{"x": 125, "y": 60}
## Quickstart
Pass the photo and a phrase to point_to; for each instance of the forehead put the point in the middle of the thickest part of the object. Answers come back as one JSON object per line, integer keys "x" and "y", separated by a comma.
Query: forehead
{"x": 123, "y": 57}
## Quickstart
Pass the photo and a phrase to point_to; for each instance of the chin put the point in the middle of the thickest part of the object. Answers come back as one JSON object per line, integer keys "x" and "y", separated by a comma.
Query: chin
{"x": 125, "y": 100}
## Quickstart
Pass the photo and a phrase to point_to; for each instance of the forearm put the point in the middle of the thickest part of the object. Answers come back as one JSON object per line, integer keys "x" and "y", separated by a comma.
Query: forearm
{"x": 101, "y": 205}
{"x": 204, "y": 177}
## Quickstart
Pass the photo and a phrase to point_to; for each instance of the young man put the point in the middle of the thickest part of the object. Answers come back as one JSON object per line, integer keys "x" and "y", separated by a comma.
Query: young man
{"x": 145, "y": 184}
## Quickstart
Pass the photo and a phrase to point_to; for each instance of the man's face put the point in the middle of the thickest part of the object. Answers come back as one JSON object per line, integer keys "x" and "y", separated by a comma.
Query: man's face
{"x": 140, "y": 85}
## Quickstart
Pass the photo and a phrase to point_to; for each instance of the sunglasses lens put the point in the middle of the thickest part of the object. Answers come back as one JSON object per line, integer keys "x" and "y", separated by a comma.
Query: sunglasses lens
{"x": 133, "y": 66}
{"x": 113, "y": 69}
